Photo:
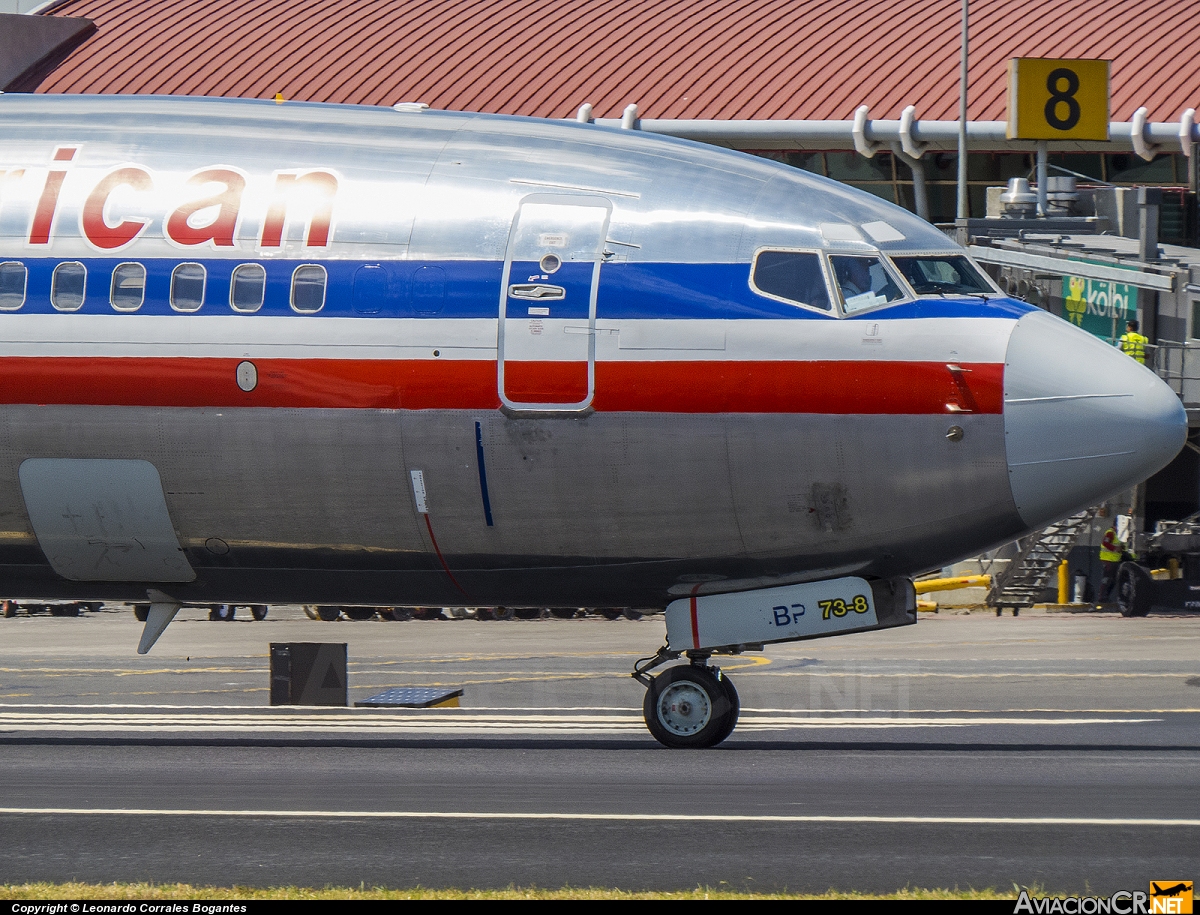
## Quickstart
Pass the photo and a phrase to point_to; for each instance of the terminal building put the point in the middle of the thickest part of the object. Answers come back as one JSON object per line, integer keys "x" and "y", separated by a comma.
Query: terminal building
{"x": 866, "y": 93}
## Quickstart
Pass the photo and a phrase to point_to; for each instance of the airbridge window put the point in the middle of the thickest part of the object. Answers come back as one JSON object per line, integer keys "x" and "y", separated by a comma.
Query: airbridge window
{"x": 792, "y": 275}
{"x": 187, "y": 287}
{"x": 13, "y": 280}
{"x": 308, "y": 288}
{"x": 128, "y": 287}
{"x": 247, "y": 288}
{"x": 68, "y": 286}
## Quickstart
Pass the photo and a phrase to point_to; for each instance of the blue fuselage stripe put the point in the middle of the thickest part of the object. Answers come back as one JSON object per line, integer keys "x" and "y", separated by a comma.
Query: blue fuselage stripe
{"x": 471, "y": 289}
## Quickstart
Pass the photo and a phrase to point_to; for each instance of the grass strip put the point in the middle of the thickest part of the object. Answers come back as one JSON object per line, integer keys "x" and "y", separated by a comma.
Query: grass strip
{"x": 184, "y": 891}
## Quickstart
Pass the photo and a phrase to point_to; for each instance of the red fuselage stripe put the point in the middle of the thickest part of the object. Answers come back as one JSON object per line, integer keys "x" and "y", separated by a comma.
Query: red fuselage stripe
{"x": 830, "y": 387}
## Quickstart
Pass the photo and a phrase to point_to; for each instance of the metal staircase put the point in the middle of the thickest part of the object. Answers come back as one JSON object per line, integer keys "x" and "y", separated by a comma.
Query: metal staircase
{"x": 1035, "y": 567}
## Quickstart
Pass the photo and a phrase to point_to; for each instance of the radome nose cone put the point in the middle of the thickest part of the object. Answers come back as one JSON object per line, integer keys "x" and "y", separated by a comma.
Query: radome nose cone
{"x": 1082, "y": 420}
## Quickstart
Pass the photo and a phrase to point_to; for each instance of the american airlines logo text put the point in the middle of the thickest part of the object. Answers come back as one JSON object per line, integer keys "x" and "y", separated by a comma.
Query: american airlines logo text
{"x": 205, "y": 211}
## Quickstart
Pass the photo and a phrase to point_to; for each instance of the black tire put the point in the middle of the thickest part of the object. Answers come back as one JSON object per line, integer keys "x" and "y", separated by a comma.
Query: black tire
{"x": 484, "y": 613}
{"x": 329, "y": 614}
{"x": 69, "y": 610}
{"x": 502, "y": 613}
{"x": 1134, "y": 590}
{"x": 631, "y": 614}
{"x": 735, "y": 704}
{"x": 609, "y": 613}
{"x": 399, "y": 614}
{"x": 222, "y": 613}
{"x": 359, "y": 613}
{"x": 687, "y": 707}
{"x": 141, "y": 612}
{"x": 258, "y": 611}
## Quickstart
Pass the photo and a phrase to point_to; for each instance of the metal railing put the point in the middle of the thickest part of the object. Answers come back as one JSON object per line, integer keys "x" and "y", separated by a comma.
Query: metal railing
{"x": 1178, "y": 364}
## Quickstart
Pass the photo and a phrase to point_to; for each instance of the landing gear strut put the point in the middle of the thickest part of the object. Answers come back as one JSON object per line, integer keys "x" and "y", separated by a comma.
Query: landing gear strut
{"x": 689, "y": 705}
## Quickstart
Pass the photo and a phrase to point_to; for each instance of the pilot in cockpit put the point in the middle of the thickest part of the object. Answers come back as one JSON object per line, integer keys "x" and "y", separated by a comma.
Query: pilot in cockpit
{"x": 853, "y": 275}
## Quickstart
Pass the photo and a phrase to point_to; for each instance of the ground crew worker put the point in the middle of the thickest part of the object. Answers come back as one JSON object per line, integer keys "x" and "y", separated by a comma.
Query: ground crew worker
{"x": 1112, "y": 550}
{"x": 1132, "y": 343}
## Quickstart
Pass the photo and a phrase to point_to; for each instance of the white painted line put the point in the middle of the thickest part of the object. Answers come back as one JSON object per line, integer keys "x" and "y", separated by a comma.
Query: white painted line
{"x": 450, "y": 722}
{"x": 616, "y": 817}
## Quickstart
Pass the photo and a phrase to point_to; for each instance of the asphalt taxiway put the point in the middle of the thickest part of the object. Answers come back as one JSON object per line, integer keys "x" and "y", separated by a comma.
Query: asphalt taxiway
{"x": 969, "y": 750}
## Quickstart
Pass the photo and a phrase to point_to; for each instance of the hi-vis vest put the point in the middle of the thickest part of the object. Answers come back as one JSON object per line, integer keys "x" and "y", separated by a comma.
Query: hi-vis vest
{"x": 1133, "y": 344}
{"x": 1110, "y": 547}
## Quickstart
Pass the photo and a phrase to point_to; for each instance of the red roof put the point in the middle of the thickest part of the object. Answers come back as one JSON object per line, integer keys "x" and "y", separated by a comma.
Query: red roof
{"x": 810, "y": 59}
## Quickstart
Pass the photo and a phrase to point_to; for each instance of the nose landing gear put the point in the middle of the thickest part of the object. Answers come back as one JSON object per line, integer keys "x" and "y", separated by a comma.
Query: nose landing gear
{"x": 690, "y": 705}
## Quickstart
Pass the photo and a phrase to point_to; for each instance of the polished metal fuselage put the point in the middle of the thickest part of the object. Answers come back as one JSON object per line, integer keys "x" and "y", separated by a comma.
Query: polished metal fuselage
{"x": 689, "y": 461}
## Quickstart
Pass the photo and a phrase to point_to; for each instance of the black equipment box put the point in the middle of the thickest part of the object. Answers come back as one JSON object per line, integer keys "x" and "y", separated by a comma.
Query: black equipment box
{"x": 308, "y": 673}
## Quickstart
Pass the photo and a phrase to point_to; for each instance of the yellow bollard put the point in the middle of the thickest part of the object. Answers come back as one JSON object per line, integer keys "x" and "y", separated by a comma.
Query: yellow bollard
{"x": 1064, "y": 589}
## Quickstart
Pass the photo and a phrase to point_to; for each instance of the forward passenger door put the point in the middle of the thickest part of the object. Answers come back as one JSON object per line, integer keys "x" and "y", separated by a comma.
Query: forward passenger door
{"x": 547, "y": 325}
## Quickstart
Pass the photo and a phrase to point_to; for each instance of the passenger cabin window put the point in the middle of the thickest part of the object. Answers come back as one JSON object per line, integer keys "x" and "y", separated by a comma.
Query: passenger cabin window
{"x": 13, "y": 280}
{"x": 943, "y": 275}
{"x": 128, "y": 287}
{"x": 187, "y": 287}
{"x": 247, "y": 288}
{"x": 863, "y": 281}
{"x": 792, "y": 275}
{"x": 67, "y": 286}
{"x": 308, "y": 288}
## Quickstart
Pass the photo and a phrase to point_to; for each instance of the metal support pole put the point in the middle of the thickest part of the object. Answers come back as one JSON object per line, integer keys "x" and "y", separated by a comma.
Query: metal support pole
{"x": 920, "y": 193}
{"x": 1043, "y": 156}
{"x": 962, "y": 118}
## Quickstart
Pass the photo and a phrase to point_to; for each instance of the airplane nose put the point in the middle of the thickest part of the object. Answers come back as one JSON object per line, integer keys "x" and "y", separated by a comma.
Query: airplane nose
{"x": 1082, "y": 420}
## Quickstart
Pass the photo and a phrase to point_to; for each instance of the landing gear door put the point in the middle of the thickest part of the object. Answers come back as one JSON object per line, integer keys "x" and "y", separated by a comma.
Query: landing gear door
{"x": 547, "y": 340}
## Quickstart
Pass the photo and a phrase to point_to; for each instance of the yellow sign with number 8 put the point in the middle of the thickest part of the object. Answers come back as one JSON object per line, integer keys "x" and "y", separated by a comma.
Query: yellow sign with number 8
{"x": 1057, "y": 99}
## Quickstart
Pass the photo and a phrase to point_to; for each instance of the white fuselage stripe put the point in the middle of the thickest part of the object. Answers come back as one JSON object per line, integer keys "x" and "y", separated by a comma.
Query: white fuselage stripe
{"x": 968, "y": 340}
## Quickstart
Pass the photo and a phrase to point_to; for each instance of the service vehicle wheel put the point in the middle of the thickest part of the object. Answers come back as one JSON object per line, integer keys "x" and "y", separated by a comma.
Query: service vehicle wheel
{"x": 1135, "y": 590}
{"x": 688, "y": 707}
{"x": 329, "y": 614}
{"x": 610, "y": 613}
{"x": 399, "y": 614}
{"x": 258, "y": 611}
{"x": 631, "y": 614}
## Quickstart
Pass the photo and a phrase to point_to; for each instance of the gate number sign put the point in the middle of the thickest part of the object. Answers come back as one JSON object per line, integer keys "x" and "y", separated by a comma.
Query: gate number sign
{"x": 1056, "y": 99}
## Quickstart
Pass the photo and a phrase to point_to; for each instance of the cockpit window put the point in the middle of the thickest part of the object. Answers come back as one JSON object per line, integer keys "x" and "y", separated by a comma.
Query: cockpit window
{"x": 863, "y": 281}
{"x": 943, "y": 275}
{"x": 792, "y": 275}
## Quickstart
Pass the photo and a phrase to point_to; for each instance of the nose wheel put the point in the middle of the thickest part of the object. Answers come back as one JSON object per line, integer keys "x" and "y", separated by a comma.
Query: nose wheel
{"x": 691, "y": 706}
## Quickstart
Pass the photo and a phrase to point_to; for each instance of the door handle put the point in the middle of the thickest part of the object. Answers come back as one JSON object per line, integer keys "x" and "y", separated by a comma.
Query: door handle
{"x": 539, "y": 291}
